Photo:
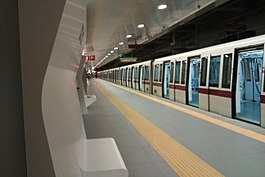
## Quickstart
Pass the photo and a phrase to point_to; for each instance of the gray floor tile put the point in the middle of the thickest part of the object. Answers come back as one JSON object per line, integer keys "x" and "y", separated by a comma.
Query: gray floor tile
{"x": 230, "y": 153}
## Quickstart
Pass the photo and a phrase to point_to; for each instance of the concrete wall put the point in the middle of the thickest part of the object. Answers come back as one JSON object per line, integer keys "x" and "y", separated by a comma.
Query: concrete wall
{"x": 12, "y": 146}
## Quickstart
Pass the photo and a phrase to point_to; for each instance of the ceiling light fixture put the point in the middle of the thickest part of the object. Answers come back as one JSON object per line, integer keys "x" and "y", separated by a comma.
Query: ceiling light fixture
{"x": 121, "y": 43}
{"x": 129, "y": 36}
{"x": 140, "y": 25}
{"x": 112, "y": 51}
{"x": 162, "y": 6}
{"x": 109, "y": 54}
{"x": 116, "y": 48}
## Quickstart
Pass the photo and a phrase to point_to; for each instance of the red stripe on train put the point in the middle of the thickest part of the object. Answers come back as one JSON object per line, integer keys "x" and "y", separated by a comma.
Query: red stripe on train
{"x": 221, "y": 93}
{"x": 262, "y": 99}
{"x": 157, "y": 84}
{"x": 203, "y": 90}
{"x": 180, "y": 87}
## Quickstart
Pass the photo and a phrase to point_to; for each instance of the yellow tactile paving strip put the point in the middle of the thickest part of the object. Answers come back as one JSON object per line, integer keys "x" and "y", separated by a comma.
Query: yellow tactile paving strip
{"x": 181, "y": 160}
{"x": 251, "y": 134}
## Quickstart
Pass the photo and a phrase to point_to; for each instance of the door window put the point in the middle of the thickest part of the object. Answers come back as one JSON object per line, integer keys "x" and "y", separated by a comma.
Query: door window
{"x": 226, "y": 79}
{"x": 183, "y": 72}
{"x": 204, "y": 71}
{"x": 171, "y": 72}
{"x": 177, "y": 72}
{"x": 156, "y": 72}
{"x": 214, "y": 71}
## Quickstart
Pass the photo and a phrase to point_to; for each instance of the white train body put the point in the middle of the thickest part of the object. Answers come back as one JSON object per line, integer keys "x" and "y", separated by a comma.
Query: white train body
{"x": 226, "y": 79}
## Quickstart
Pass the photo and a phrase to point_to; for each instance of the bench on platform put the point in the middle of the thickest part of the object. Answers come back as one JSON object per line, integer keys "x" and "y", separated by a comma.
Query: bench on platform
{"x": 101, "y": 158}
{"x": 89, "y": 100}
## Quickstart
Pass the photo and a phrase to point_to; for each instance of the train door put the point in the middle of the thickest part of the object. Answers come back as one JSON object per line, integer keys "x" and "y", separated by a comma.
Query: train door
{"x": 129, "y": 78}
{"x": 136, "y": 74}
{"x": 126, "y": 77}
{"x": 140, "y": 78}
{"x": 192, "y": 83}
{"x": 166, "y": 79}
{"x": 122, "y": 75}
{"x": 204, "y": 85}
{"x": 247, "y": 84}
{"x": 132, "y": 84}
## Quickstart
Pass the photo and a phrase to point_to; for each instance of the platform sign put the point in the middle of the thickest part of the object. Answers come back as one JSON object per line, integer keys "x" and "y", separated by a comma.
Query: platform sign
{"x": 91, "y": 58}
{"x": 128, "y": 59}
{"x": 133, "y": 46}
{"x": 122, "y": 51}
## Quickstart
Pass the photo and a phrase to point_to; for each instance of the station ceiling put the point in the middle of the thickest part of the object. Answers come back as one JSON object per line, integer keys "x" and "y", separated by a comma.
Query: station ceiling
{"x": 110, "y": 21}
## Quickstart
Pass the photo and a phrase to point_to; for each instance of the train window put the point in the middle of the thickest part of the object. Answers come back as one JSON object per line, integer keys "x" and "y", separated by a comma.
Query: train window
{"x": 177, "y": 72}
{"x": 136, "y": 73}
{"x": 227, "y": 64}
{"x": 124, "y": 74}
{"x": 183, "y": 71}
{"x": 160, "y": 72}
{"x": 247, "y": 65}
{"x": 214, "y": 71}
{"x": 129, "y": 73}
{"x": 156, "y": 72}
{"x": 171, "y": 72}
{"x": 204, "y": 71}
{"x": 146, "y": 73}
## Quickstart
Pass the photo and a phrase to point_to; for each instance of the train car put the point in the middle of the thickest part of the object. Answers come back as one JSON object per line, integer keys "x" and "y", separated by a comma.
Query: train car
{"x": 138, "y": 76}
{"x": 135, "y": 77}
{"x": 227, "y": 79}
{"x": 163, "y": 77}
{"x": 142, "y": 76}
{"x": 117, "y": 76}
{"x": 124, "y": 71}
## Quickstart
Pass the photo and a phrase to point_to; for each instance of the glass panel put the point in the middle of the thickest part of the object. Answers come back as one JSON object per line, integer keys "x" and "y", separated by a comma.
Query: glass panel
{"x": 247, "y": 65}
{"x": 124, "y": 75}
{"x": 204, "y": 71}
{"x": 160, "y": 73}
{"x": 177, "y": 72}
{"x": 136, "y": 73}
{"x": 226, "y": 80}
{"x": 171, "y": 72}
{"x": 214, "y": 71}
{"x": 183, "y": 72}
{"x": 264, "y": 84}
{"x": 156, "y": 73}
{"x": 146, "y": 73}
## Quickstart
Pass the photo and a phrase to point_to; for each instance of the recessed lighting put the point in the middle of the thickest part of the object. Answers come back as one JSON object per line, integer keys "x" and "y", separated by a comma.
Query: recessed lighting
{"x": 140, "y": 26}
{"x": 112, "y": 51}
{"x": 109, "y": 54}
{"x": 162, "y": 6}
{"x": 129, "y": 36}
{"x": 116, "y": 48}
{"x": 121, "y": 43}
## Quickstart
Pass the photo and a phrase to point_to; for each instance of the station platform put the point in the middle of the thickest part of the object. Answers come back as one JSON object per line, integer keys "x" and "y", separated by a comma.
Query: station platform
{"x": 160, "y": 138}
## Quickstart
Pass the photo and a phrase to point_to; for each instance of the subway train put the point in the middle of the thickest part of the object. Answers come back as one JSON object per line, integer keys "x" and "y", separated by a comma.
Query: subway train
{"x": 226, "y": 79}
